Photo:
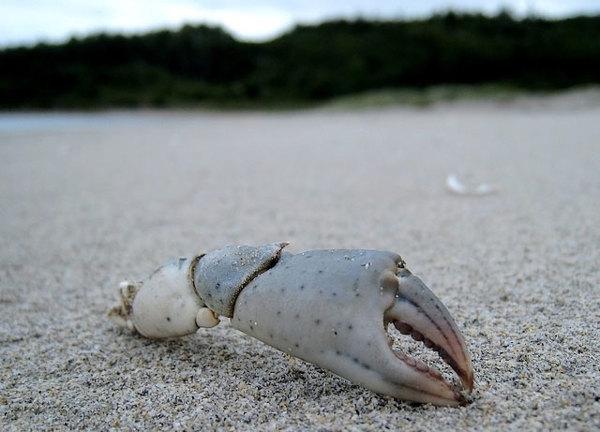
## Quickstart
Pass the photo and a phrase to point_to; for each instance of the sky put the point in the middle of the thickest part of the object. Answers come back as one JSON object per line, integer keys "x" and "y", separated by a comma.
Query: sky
{"x": 25, "y": 22}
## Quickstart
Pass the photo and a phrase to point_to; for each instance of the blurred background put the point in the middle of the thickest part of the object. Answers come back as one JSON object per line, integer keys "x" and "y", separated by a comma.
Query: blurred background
{"x": 70, "y": 54}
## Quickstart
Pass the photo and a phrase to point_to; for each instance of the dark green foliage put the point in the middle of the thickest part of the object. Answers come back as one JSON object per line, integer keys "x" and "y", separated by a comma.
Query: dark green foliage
{"x": 205, "y": 65}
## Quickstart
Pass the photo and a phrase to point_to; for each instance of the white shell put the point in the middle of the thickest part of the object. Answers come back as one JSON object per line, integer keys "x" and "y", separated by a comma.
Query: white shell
{"x": 167, "y": 304}
{"x": 457, "y": 187}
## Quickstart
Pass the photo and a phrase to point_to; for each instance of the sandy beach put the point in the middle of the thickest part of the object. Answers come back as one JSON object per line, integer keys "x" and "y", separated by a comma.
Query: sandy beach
{"x": 87, "y": 200}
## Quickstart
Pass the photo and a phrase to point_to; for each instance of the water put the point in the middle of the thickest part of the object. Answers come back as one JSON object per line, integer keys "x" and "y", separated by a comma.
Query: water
{"x": 70, "y": 121}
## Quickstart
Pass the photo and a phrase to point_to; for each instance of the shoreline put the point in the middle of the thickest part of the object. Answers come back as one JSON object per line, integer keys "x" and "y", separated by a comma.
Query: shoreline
{"x": 427, "y": 98}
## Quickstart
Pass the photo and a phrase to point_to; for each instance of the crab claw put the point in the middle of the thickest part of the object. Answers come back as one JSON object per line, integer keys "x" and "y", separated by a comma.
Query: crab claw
{"x": 332, "y": 308}
{"x": 368, "y": 359}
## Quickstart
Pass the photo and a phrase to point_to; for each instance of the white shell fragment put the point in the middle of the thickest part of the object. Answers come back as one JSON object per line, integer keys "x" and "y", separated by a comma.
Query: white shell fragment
{"x": 455, "y": 186}
{"x": 165, "y": 304}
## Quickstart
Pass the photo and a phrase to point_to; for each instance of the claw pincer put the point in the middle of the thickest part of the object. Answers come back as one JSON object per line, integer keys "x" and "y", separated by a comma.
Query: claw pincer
{"x": 328, "y": 307}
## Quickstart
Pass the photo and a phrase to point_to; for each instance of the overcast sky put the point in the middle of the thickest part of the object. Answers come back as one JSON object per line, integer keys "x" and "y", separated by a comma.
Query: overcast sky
{"x": 30, "y": 21}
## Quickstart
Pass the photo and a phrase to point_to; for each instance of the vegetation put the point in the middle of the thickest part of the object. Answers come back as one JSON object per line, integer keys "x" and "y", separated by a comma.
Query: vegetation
{"x": 201, "y": 65}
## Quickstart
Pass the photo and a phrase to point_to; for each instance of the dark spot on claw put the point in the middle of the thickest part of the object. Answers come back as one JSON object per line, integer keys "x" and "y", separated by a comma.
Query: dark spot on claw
{"x": 317, "y": 321}
{"x": 443, "y": 354}
{"x": 169, "y": 319}
{"x": 418, "y": 336}
{"x": 460, "y": 399}
{"x": 403, "y": 327}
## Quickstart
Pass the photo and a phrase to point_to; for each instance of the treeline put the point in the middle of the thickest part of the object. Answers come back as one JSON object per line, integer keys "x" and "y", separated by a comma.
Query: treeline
{"x": 204, "y": 65}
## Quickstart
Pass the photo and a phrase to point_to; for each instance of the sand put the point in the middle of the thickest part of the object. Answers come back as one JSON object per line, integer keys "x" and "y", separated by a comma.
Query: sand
{"x": 87, "y": 200}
